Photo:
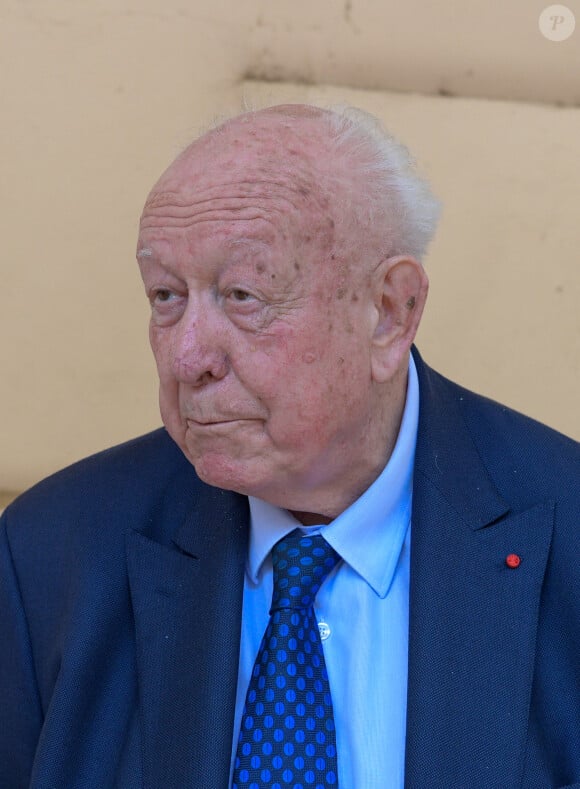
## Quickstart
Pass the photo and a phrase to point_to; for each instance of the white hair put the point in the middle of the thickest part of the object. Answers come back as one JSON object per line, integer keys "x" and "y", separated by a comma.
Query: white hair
{"x": 401, "y": 202}
{"x": 398, "y": 205}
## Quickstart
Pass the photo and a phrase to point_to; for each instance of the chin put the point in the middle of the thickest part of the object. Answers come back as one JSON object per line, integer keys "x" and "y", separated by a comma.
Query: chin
{"x": 223, "y": 472}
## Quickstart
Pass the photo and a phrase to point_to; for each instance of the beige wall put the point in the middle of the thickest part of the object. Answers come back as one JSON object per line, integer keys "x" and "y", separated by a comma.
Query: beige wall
{"x": 98, "y": 96}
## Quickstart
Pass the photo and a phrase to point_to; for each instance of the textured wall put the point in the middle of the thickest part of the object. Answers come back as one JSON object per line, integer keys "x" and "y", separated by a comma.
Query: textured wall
{"x": 97, "y": 97}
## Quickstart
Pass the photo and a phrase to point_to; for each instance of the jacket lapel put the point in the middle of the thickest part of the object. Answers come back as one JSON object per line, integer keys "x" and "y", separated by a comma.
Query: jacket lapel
{"x": 186, "y": 599}
{"x": 473, "y": 620}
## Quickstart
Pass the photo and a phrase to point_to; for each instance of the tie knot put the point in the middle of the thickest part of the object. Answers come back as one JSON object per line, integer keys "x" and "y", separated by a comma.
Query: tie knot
{"x": 300, "y": 564}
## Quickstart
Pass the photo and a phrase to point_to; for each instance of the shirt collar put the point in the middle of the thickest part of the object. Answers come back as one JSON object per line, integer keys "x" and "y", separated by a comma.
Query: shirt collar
{"x": 370, "y": 533}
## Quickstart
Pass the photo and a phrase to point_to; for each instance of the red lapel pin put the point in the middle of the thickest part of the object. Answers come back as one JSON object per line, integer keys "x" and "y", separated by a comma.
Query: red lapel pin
{"x": 513, "y": 560}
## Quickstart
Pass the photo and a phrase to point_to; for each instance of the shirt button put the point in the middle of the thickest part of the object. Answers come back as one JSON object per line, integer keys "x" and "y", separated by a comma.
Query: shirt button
{"x": 324, "y": 630}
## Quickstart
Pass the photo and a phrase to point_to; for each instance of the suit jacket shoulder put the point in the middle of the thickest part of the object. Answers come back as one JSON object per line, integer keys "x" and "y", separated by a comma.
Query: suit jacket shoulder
{"x": 94, "y": 577}
{"x": 133, "y": 474}
{"x": 525, "y": 460}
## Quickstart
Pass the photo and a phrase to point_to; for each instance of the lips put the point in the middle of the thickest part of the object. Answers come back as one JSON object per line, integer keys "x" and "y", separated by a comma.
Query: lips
{"x": 215, "y": 421}
{"x": 206, "y": 422}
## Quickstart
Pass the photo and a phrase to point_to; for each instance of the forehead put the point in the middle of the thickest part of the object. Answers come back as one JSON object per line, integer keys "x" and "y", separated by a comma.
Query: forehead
{"x": 288, "y": 150}
{"x": 264, "y": 180}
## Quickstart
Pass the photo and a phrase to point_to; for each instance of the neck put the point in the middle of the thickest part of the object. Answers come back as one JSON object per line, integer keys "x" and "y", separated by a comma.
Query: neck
{"x": 310, "y": 518}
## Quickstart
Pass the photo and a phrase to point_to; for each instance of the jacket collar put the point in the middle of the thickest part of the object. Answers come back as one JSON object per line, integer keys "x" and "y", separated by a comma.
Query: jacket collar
{"x": 186, "y": 598}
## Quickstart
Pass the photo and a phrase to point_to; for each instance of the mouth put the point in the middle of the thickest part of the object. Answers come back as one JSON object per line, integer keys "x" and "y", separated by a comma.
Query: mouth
{"x": 198, "y": 423}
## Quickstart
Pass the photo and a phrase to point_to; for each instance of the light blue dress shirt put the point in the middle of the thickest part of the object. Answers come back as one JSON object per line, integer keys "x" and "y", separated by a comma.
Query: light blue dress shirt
{"x": 364, "y": 604}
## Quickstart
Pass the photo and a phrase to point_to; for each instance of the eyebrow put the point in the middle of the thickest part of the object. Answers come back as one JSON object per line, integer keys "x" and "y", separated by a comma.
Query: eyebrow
{"x": 145, "y": 252}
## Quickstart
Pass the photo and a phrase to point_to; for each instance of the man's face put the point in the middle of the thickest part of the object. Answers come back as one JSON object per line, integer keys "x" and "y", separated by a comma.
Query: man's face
{"x": 260, "y": 328}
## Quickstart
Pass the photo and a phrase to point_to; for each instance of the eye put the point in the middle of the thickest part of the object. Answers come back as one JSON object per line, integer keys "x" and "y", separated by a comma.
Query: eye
{"x": 167, "y": 305}
{"x": 237, "y": 294}
{"x": 161, "y": 296}
{"x": 242, "y": 306}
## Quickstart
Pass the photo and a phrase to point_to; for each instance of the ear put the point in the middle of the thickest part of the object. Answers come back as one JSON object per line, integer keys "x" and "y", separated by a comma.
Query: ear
{"x": 400, "y": 287}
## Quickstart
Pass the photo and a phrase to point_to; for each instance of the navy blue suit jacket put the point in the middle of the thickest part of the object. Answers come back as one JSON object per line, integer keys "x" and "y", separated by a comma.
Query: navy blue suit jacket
{"x": 121, "y": 589}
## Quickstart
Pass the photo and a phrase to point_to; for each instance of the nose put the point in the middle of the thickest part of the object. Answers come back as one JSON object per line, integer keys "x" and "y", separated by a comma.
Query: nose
{"x": 198, "y": 352}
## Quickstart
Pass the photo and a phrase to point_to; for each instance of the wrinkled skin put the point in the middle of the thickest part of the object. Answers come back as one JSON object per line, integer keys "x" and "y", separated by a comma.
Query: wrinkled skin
{"x": 281, "y": 336}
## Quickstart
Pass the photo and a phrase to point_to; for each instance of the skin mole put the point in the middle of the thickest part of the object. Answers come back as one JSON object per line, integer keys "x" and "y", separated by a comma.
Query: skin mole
{"x": 297, "y": 265}
{"x": 340, "y": 293}
{"x": 410, "y": 303}
{"x": 354, "y": 297}
{"x": 260, "y": 268}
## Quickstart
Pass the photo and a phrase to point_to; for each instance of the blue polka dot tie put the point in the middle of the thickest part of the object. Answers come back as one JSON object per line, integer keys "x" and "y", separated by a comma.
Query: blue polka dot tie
{"x": 287, "y": 736}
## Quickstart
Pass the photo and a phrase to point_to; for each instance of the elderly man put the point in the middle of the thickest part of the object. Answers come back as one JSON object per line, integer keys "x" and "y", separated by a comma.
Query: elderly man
{"x": 334, "y": 567}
